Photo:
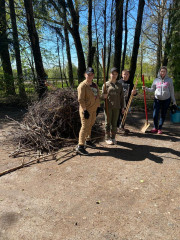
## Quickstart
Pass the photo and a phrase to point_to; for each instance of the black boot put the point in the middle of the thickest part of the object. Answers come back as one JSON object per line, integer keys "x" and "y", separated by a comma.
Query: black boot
{"x": 81, "y": 150}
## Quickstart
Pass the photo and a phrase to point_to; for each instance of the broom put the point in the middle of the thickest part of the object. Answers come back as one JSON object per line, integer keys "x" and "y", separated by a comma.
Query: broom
{"x": 128, "y": 105}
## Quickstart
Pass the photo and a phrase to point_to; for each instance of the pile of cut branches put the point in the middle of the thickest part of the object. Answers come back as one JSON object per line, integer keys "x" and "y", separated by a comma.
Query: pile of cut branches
{"x": 51, "y": 123}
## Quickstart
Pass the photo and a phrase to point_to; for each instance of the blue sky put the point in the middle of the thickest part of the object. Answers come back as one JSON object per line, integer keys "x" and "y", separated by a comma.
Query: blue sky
{"x": 49, "y": 39}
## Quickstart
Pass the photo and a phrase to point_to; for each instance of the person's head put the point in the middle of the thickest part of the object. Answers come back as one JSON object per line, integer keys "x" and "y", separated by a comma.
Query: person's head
{"x": 113, "y": 74}
{"x": 163, "y": 72}
{"x": 125, "y": 74}
{"x": 89, "y": 74}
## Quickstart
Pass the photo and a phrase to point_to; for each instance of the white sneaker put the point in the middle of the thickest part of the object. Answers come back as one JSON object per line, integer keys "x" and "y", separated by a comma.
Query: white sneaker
{"x": 114, "y": 141}
{"x": 109, "y": 142}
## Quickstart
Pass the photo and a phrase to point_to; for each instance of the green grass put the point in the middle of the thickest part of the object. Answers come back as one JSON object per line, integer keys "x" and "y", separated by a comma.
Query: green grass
{"x": 138, "y": 101}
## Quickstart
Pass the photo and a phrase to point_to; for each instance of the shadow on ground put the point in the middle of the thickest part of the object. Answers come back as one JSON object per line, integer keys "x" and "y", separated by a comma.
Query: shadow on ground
{"x": 132, "y": 152}
{"x": 15, "y": 113}
{"x": 166, "y": 136}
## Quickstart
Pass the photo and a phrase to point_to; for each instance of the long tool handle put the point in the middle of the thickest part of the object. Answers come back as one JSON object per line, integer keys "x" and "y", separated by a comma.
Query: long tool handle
{"x": 145, "y": 105}
{"x": 129, "y": 104}
{"x": 126, "y": 110}
{"x": 105, "y": 91}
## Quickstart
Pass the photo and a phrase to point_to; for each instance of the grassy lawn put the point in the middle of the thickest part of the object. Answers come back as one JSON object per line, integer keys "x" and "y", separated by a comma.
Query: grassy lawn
{"x": 138, "y": 100}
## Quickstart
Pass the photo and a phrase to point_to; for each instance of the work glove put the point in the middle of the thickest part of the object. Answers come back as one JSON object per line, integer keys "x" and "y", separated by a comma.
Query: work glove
{"x": 86, "y": 114}
{"x": 173, "y": 108}
{"x": 98, "y": 111}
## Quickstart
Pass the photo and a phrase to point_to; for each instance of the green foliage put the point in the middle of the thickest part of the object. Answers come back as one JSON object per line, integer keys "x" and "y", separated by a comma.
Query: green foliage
{"x": 174, "y": 56}
{"x": 46, "y": 14}
{"x": 74, "y": 68}
{"x": 54, "y": 72}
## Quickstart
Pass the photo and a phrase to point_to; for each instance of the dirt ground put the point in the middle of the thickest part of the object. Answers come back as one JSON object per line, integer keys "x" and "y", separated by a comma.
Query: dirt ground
{"x": 128, "y": 191}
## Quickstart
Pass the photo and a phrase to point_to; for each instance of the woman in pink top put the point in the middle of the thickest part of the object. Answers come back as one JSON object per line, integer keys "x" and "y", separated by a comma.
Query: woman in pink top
{"x": 164, "y": 94}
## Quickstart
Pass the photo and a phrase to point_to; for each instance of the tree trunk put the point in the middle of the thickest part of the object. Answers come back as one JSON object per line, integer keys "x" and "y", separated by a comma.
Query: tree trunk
{"x": 76, "y": 36}
{"x": 97, "y": 45}
{"x": 89, "y": 58}
{"x": 97, "y": 60}
{"x": 159, "y": 47}
{"x": 41, "y": 75}
{"x": 168, "y": 43}
{"x": 22, "y": 92}
{"x": 118, "y": 34}
{"x": 160, "y": 34}
{"x": 62, "y": 50}
{"x": 136, "y": 39}
{"x": 110, "y": 41}
{"x": 68, "y": 51}
{"x": 59, "y": 60}
{"x": 105, "y": 3}
{"x": 31, "y": 64}
{"x": 141, "y": 58}
{"x": 74, "y": 30}
{"x": 125, "y": 36}
{"x": 4, "y": 52}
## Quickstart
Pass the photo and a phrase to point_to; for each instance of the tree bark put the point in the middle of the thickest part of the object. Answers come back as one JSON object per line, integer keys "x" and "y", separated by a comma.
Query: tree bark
{"x": 118, "y": 34}
{"x": 97, "y": 44}
{"x": 141, "y": 57}
{"x": 59, "y": 60}
{"x": 89, "y": 57}
{"x": 105, "y": 4}
{"x": 160, "y": 34}
{"x": 125, "y": 36}
{"x": 110, "y": 41}
{"x": 74, "y": 30}
{"x": 64, "y": 74}
{"x": 33, "y": 35}
{"x": 167, "y": 48}
{"x": 4, "y": 52}
{"x": 22, "y": 92}
{"x": 159, "y": 47}
{"x": 76, "y": 36}
{"x": 68, "y": 50}
{"x": 136, "y": 39}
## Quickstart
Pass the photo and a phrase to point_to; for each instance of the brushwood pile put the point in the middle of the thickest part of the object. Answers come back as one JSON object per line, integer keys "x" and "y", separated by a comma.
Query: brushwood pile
{"x": 51, "y": 123}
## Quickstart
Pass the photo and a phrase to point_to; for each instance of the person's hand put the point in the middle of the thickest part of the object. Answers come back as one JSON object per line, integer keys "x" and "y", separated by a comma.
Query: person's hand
{"x": 122, "y": 110}
{"x": 105, "y": 95}
{"x": 98, "y": 111}
{"x": 134, "y": 92}
{"x": 86, "y": 114}
{"x": 143, "y": 88}
{"x": 173, "y": 108}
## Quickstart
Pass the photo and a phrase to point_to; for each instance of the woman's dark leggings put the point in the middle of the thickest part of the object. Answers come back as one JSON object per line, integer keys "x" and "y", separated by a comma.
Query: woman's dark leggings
{"x": 162, "y": 107}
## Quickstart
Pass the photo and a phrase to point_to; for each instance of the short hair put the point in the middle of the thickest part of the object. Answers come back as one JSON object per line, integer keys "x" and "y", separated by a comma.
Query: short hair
{"x": 126, "y": 70}
{"x": 163, "y": 67}
{"x": 114, "y": 69}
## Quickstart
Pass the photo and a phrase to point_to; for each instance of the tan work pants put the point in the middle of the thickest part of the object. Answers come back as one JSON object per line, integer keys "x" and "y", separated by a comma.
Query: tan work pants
{"x": 86, "y": 126}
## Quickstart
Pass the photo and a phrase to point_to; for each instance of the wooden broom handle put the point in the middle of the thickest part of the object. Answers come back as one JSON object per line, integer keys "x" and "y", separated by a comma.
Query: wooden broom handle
{"x": 145, "y": 105}
{"x": 129, "y": 103}
{"x": 105, "y": 90}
